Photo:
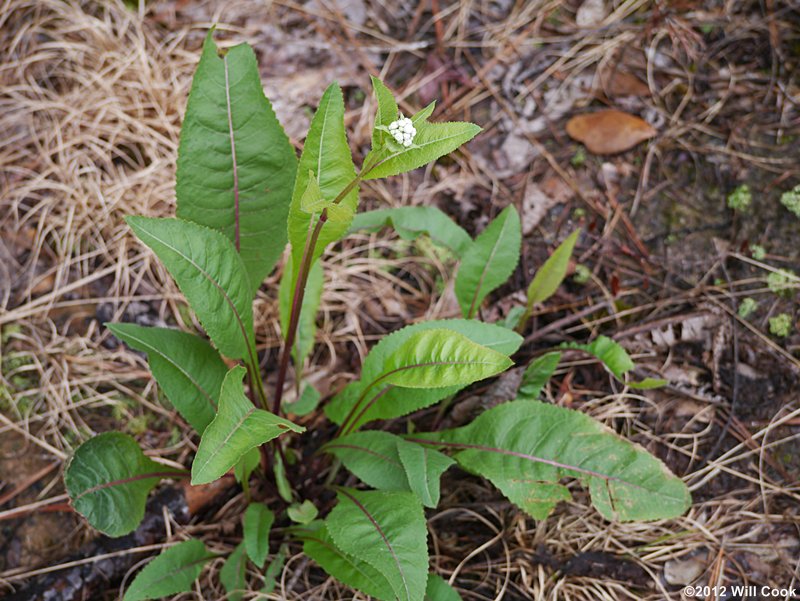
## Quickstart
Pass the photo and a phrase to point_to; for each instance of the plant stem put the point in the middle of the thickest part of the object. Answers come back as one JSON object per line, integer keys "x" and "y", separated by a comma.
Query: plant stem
{"x": 256, "y": 384}
{"x": 299, "y": 293}
{"x": 294, "y": 316}
{"x": 257, "y": 388}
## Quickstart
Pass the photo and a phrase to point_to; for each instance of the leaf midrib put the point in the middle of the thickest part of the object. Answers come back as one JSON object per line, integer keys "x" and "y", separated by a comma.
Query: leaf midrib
{"x": 417, "y": 147}
{"x": 328, "y": 104}
{"x": 171, "y": 574}
{"x": 355, "y": 447}
{"x": 188, "y": 376}
{"x": 346, "y": 557}
{"x": 534, "y": 459}
{"x": 233, "y": 154}
{"x": 208, "y": 277}
{"x": 435, "y": 364}
{"x": 486, "y": 265}
{"x": 123, "y": 481}
{"x": 386, "y": 542}
{"x": 215, "y": 451}
{"x": 350, "y": 423}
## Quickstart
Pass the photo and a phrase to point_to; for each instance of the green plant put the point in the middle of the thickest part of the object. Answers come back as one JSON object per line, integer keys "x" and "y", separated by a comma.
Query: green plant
{"x": 791, "y": 200}
{"x": 782, "y": 281}
{"x": 758, "y": 252}
{"x": 242, "y": 194}
{"x": 780, "y": 325}
{"x": 740, "y": 199}
{"x": 747, "y": 307}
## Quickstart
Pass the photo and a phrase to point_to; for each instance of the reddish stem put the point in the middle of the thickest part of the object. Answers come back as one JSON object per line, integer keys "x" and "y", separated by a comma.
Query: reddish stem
{"x": 294, "y": 316}
{"x": 299, "y": 293}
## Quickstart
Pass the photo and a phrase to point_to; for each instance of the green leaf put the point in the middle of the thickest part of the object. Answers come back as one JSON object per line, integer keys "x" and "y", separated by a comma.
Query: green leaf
{"x": 355, "y": 573}
{"x": 412, "y": 222}
{"x": 611, "y": 354}
{"x": 308, "y": 401}
{"x": 526, "y": 447}
{"x": 550, "y": 275}
{"x": 387, "y": 462}
{"x": 108, "y": 480}
{"x": 423, "y": 114}
{"x": 210, "y": 274}
{"x": 616, "y": 359}
{"x": 386, "y": 113}
{"x": 307, "y": 324}
{"x": 188, "y": 369}
{"x": 173, "y": 571}
{"x": 433, "y": 140}
{"x": 440, "y": 357}
{"x": 372, "y": 456}
{"x": 439, "y": 590}
{"x": 233, "y": 573}
{"x": 274, "y": 570}
{"x": 302, "y": 513}
{"x": 386, "y": 402}
{"x": 246, "y": 465}
{"x": 326, "y": 155}
{"x": 312, "y": 201}
{"x": 424, "y": 467}
{"x": 281, "y": 481}
{"x": 237, "y": 428}
{"x": 386, "y": 530}
{"x": 489, "y": 262}
{"x": 256, "y": 525}
{"x": 513, "y": 318}
{"x": 647, "y": 383}
{"x": 236, "y": 166}
{"x": 536, "y": 376}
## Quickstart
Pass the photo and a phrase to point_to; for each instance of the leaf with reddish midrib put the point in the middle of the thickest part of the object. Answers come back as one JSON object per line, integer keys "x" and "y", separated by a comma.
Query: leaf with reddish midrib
{"x": 211, "y": 276}
{"x": 186, "y": 367}
{"x": 386, "y": 530}
{"x": 237, "y": 428}
{"x": 526, "y": 448}
{"x": 370, "y": 400}
{"x": 173, "y": 571}
{"x": 356, "y": 573}
{"x": 108, "y": 479}
{"x": 388, "y": 462}
{"x": 236, "y": 166}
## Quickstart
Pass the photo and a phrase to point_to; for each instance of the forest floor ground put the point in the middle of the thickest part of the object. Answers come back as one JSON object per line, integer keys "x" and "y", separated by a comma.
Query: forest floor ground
{"x": 91, "y": 100}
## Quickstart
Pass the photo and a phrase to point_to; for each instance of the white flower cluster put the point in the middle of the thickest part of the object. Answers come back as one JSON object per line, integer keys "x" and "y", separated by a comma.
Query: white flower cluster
{"x": 403, "y": 131}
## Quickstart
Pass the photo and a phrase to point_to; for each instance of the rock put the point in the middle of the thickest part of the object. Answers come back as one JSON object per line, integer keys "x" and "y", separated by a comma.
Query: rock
{"x": 591, "y": 13}
{"x": 681, "y": 572}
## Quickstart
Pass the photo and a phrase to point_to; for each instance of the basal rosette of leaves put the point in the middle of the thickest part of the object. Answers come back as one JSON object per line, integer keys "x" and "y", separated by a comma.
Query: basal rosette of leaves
{"x": 242, "y": 196}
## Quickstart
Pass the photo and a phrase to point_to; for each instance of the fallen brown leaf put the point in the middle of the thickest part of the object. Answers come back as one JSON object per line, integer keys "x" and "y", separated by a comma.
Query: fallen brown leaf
{"x": 619, "y": 83}
{"x": 609, "y": 131}
{"x": 201, "y": 496}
